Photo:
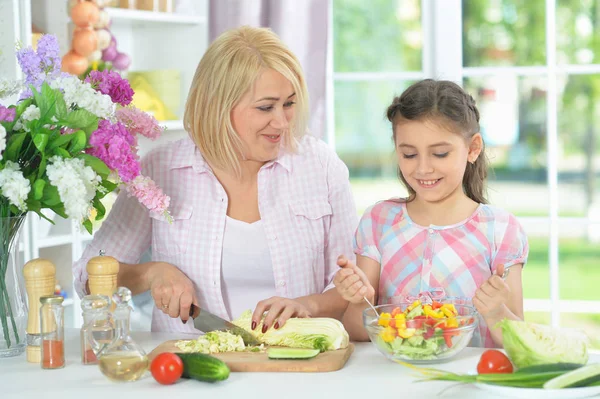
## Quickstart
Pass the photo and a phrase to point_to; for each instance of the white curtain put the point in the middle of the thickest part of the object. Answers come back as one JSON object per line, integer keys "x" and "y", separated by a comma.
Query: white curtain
{"x": 301, "y": 25}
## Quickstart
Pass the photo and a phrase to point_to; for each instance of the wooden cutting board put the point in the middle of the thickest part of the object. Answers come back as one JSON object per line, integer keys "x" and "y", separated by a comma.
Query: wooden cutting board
{"x": 260, "y": 362}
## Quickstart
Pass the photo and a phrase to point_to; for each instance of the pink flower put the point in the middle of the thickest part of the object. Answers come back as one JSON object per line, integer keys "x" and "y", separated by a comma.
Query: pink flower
{"x": 115, "y": 146}
{"x": 149, "y": 195}
{"x": 111, "y": 83}
{"x": 139, "y": 122}
{"x": 7, "y": 114}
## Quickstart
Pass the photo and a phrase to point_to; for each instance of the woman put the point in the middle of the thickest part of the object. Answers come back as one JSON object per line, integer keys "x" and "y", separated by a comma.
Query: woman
{"x": 260, "y": 209}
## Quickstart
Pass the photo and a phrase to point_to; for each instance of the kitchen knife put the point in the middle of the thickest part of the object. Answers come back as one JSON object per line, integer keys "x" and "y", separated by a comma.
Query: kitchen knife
{"x": 206, "y": 322}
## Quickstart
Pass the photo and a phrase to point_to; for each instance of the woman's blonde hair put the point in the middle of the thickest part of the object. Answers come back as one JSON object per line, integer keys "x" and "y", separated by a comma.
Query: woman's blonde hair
{"x": 227, "y": 71}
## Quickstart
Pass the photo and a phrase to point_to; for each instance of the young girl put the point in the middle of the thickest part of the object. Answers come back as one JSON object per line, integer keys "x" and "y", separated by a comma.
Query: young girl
{"x": 443, "y": 237}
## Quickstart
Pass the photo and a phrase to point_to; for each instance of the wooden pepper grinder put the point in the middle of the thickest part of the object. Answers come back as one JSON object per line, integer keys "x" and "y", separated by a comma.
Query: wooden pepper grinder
{"x": 40, "y": 280}
{"x": 102, "y": 275}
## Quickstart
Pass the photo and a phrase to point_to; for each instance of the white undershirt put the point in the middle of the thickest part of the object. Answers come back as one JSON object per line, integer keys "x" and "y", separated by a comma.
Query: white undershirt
{"x": 246, "y": 267}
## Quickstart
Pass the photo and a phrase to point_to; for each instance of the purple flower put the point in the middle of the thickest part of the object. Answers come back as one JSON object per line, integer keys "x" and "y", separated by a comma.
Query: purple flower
{"x": 7, "y": 114}
{"x": 40, "y": 66}
{"x": 115, "y": 146}
{"x": 112, "y": 84}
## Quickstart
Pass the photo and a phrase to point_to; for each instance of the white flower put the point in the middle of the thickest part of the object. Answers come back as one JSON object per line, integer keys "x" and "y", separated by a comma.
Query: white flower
{"x": 9, "y": 88}
{"x": 76, "y": 184}
{"x": 31, "y": 113}
{"x": 2, "y": 140}
{"x": 84, "y": 96}
{"x": 14, "y": 185}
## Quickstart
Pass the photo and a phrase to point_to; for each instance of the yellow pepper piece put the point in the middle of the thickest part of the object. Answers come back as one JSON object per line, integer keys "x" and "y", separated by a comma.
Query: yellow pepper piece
{"x": 388, "y": 334}
{"x": 406, "y": 333}
{"x": 384, "y": 319}
{"x": 451, "y": 307}
{"x": 414, "y": 305}
{"x": 448, "y": 312}
{"x": 436, "y": 314}
{"x": 452, "y": 323}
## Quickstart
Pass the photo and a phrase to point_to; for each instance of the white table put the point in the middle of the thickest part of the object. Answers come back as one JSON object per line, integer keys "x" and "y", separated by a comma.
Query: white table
{"x": 367, "y": 375}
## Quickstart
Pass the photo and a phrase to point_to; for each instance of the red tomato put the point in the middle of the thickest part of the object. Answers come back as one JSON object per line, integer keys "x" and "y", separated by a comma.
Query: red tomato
{"x": 166, "y": 368}
{"x": 494, "y": 361}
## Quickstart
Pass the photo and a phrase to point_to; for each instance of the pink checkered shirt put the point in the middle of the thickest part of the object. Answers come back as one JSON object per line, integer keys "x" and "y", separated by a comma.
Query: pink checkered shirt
{"x": 305, "y": 203}
{"x": 454, "y": 259}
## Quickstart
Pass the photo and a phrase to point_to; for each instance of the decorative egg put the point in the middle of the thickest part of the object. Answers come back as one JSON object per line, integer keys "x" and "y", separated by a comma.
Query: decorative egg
{"x": 121, "y": 62}
{"x": 95, "y": 56}
{"x": 84, "y": 41}
{"x": 74, "y": 63}
{"x": 103, "y": 20}
{"x": 103, "y": 38}
{"x": 109, "y": 53}
{"x": 85, "y": 13}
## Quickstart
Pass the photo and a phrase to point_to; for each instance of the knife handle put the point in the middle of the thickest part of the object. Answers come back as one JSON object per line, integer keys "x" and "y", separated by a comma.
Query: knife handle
{"x": 193, "y": 313}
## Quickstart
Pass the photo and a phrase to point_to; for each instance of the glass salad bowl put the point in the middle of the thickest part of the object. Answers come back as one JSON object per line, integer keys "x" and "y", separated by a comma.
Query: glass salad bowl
{"x": 419, "y": 332}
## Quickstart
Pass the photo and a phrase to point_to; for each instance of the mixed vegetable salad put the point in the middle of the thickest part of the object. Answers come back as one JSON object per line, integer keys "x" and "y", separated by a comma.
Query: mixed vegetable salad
{"x": 421, "y": 331}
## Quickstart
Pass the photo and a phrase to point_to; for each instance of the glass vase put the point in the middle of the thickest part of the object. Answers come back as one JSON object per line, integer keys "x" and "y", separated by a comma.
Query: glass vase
{"x": 13, "y": 304}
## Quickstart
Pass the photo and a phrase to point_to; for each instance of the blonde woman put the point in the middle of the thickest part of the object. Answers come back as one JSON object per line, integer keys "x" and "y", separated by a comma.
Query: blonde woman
{"x": 260, "y": 209}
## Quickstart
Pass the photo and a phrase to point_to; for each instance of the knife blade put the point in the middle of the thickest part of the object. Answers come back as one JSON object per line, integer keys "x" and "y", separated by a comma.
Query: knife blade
{"x": 206, "y": 322}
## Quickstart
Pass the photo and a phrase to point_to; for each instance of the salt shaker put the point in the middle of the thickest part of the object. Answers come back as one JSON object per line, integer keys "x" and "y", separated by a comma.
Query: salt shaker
{"x": 40, "y": 276}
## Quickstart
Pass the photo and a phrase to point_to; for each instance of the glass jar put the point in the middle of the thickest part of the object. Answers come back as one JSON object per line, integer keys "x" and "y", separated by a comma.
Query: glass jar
{"x": 123, "y": 359}
{"x": 52, "y": 330}
{"x": 97, "y": 330}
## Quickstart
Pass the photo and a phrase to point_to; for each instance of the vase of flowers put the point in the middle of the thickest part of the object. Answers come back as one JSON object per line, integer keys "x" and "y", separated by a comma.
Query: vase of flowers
{"x": 64, "y": 145}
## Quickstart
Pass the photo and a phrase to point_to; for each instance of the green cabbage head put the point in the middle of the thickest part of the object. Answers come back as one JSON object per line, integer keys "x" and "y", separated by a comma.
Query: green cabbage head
{"x": 529, "y": 344}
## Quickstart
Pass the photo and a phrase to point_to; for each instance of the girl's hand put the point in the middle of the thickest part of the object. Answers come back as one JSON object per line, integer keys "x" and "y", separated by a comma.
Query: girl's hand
{"x": 491, "y": 298}
{"x": 352, "y": 283}
{"x": 173, "y": 292}
{"x": 280, "y": 309}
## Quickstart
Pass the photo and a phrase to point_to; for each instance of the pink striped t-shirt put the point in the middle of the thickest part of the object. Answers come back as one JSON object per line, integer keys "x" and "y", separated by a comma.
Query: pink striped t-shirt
{"x": 453, "y": 259}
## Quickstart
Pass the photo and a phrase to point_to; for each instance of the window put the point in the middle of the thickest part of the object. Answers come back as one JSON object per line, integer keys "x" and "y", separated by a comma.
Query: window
{"x": 533, "y": 68}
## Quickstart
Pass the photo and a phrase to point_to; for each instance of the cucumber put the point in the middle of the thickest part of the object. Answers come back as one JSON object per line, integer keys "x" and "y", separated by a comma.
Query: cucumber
{"x": 292, "y": 353}
{"x": 542, "y": 368}
{"x": 202, "y": 367}
{"x": 580, "y": 377}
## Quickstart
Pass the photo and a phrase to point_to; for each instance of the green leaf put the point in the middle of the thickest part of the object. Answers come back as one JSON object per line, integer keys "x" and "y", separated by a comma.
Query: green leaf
{"x": 62, "y": 152}
{"x": 37, "y": 210}
{"x": 96, "y": 164}
{"x": 42, "y": 167}
{"x": 22, "y": 107}
{"x": 40, "y": 140}
{"x": 88, "y": 225}
{"x": 60, "y": 140}
{"x": 89, "y": 129}
{"x": 51, "y": 198}
{"x": 78, "y": 143}
{"x": 109, "y": 185}
{"x": 45, "y": 101}
{"x": 79, "y": 119}
{"x": 38, "y": 189}
{"x": 13, "y": 148}
{"x": 100, "y": 209}
{"x": 60, "y": 211}
{"x": 61, "y": 106}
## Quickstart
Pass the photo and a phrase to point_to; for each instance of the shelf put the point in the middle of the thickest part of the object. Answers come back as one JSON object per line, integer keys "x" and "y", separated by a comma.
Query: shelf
{"x": 172, "y": 125}
{"x": 126, "y": 15}
{"x": 54, "y": 241}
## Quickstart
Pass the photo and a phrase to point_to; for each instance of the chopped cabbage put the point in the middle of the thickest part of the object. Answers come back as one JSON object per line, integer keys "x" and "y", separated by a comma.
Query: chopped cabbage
{"x": 215, "y": 342}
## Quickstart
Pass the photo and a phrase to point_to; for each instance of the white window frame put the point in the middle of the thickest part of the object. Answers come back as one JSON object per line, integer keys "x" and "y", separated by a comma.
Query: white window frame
{"x": 442, "y": 59}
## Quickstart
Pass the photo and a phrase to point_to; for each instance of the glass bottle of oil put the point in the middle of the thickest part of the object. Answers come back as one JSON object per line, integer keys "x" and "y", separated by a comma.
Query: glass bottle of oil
{"x": 123, "y": 359}
{"x": 97, "y": 330}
